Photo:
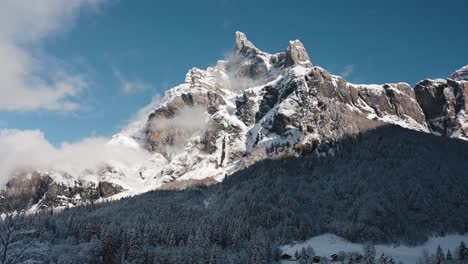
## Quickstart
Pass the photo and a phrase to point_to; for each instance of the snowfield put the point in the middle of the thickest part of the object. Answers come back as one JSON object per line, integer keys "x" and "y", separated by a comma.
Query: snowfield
{"x": 328, "y": 244}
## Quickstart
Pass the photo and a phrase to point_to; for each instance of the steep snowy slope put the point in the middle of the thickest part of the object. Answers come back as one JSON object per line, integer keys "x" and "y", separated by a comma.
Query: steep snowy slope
{"x": 249, "y": 107}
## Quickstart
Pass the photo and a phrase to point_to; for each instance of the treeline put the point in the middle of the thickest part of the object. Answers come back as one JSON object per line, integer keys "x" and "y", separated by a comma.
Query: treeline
{"x": 368, "y": 255}
{"x": 388, "y": 185}
{"x": 459, "y": 256}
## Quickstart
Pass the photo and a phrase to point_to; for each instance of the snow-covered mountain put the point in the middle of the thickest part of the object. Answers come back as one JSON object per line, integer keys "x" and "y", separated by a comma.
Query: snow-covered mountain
{"x": 249, "y": 107}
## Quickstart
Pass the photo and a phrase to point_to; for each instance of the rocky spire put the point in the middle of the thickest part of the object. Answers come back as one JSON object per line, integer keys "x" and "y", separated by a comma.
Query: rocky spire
{"x": 296, "y": 54}
{"x": 247, "y": 61}
{"x": 243, "y": 45}
{"x": 461, "y": 74}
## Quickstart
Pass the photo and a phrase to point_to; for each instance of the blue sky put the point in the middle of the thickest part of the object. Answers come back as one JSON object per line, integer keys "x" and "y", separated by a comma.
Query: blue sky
{"x": 117, "y": 55}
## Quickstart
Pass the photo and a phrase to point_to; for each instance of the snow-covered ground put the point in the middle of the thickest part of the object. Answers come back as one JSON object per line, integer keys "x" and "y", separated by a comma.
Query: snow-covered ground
{"x": 328, "y": 244}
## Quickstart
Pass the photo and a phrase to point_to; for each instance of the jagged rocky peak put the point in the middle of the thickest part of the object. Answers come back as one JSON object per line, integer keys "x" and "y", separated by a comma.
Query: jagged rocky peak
{"x": 461, "y": 74}
{"x": 296, "y": 54}
{"x": 247, "y": 62}
{"x": 243, "y": 45}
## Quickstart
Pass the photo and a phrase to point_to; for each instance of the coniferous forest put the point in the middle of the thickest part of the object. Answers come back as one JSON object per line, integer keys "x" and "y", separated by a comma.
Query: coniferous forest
{"x": 388, "y": 185}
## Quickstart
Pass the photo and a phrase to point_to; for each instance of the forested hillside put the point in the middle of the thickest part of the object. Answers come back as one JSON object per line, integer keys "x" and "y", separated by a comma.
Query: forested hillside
{"x": 385, "y": 185}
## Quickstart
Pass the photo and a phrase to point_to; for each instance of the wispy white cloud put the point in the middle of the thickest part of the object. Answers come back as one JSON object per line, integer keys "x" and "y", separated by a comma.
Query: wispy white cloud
{"x": 26, "y": 150}
{"x": 347, "y": 71}
{"x": 29, "y": 81}
{"x": 129, "y": 86}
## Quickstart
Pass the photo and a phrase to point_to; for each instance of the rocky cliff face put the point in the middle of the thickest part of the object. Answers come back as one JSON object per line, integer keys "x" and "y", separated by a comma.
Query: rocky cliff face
{"x": 41, "y": 190}
{"x": 255, "y": 106}
{"x": 444, "y": 104}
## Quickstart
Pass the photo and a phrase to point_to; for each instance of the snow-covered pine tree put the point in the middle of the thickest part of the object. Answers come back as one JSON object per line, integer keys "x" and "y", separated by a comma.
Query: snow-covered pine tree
{"x": 325, "y": 260}
{"x": 369, "y": 254}
{"x": 310, "y": 251}
{"x": 449, "y": 258}
{"x": 439, "y": 257}
{"x": 384, "y": 259}
{"x": 426, "y": 257}
{"x": 259, "y": 251}
{"x": 303, "y": 256}
{"x": 462, "y": 252}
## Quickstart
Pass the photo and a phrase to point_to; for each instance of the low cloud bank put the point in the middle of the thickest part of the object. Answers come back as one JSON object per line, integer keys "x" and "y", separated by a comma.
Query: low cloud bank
{"x": 30, "y": 150}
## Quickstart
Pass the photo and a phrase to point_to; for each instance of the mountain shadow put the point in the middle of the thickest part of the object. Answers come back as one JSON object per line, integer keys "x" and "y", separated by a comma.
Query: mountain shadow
{"x": 388, "y": 184}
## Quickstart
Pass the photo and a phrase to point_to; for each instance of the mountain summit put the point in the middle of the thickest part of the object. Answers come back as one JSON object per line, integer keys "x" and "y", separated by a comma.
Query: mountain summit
{"x": 243, "y": 44}
{"x": 250, "y": 107}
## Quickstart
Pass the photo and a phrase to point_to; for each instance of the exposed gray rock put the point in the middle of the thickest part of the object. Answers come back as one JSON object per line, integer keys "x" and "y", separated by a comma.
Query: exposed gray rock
{"x": 40, "y": 190}
{"x": 387, "y": 100}
{"x": 444, "y": 104}
{"x": 108, "y": 189}
{"x": 162, "y": 137}
{"x": 247, "y": 64}
{"x": 245, "y": 107}
{"x": 244, "y": 46}
{"x": 296, "y": 54}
